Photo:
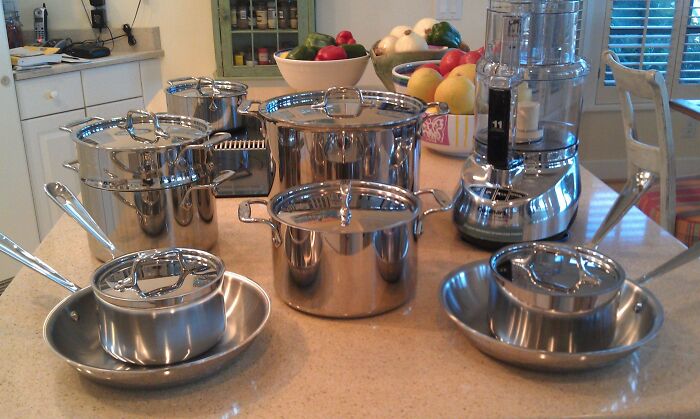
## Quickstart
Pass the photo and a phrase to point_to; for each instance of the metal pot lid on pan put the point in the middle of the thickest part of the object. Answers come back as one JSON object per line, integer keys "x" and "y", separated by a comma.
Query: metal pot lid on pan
{"x": 556, "y": 277}
{"x": 343, "y": 108}
{"x": 205, "y": 87}
{"x": 163, "y": 278}
{"x": 345, "y": 207}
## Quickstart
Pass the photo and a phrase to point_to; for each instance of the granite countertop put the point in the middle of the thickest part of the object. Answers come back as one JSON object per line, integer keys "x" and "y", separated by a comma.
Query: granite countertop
{"x": 411, "y": 362}
{"x": 119, "y": 57}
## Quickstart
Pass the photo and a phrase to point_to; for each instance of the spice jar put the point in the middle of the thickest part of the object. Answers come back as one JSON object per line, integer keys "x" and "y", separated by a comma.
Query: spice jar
{"x": 234, "y": 13}
{"x": 283, "y": 14}
{"x": 260, "y": 15}
{"x": 271, "y": 14}
{"x": 293, "y": 21}
{"x": 243, "y": 16}
{"x": 238, "y": 59}
{"x": 263, "y": 56}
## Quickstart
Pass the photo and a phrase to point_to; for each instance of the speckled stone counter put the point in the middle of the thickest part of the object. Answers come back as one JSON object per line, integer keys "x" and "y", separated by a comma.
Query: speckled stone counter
{"x": 412, "y": 362}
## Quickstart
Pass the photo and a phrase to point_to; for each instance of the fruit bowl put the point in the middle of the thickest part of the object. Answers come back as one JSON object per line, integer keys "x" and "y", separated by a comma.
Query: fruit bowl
{"x": 449, "y": 134}
{"x": 384, "y": 64}
{"x": 320, "y": 75}
{"x": 402, "y": 72}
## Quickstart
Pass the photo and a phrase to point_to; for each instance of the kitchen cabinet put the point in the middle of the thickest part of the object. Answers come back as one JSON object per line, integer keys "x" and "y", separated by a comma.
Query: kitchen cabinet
{"x": 49, "y": 102}
{"x": 230, "y": 39}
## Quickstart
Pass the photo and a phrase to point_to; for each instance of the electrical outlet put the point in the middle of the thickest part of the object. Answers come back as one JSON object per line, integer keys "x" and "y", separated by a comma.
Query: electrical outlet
{"x": 690, "y": 130}
{"x": 448, "y": 9}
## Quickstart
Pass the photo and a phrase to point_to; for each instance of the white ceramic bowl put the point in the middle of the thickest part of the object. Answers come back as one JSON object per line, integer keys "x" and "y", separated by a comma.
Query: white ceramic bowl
{"x": 449, "y": 134}
{"x": 402, "y": 72}
{"x": 320, "y": 75}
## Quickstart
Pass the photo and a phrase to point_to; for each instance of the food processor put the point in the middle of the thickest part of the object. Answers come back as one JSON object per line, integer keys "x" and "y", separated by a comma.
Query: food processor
{"x": 522, "y": 180}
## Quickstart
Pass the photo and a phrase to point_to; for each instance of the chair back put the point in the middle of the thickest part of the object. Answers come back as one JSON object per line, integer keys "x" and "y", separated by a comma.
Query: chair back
{"x": 659, "y": 158}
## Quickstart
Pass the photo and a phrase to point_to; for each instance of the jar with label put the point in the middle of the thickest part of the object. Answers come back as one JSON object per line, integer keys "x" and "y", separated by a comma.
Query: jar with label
{"x": 271, "y": 14}
{"x": 283, "y": 14}
{"x": 260, "y": 14}
{"x": 234, "y": 14}
{"x": 238, "y": 59}
{"x": 263, "y": 56}
{"x": 242, "y": 12}
{"x": 293, "y": 20}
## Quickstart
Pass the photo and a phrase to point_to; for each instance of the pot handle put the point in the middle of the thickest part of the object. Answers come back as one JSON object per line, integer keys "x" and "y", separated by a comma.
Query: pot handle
{"x": 630, "y": 195}
{"x": 331, "y": 90}
{"x": 244, "y": 214}
{"x": 67, "y": 128}
{"x": 129, "y": 126}
{"x": 688, "y": 255}
{"x": 132, "y": 281}
{"x": 444, "y": 201}
{"x": 222, "y": 177}
{"x": 17, "y": 253}
{"x": 64, "y": 198}
{"x": 245, "y": 109}
{"x": 73, "y": 165}
{"x": 215, "y": 139}
{"x": 180, "y": 80}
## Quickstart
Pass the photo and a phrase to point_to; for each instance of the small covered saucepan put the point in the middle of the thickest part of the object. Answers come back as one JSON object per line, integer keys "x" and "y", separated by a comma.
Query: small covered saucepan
{"x": 157, "y": 307}
{"x": 558, "y": 297}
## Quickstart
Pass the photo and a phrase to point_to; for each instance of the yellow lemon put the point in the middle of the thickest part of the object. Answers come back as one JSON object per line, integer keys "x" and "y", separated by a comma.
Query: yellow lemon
{"x": 458, "y": 93}
{"x": 466, "y": 70}
{"x": 423, "y": 83}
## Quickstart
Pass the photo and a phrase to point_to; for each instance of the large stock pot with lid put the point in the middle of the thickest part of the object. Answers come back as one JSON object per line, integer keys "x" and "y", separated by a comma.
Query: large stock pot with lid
{"x": 344, "y": 133}
{"x": 148, "y": 180}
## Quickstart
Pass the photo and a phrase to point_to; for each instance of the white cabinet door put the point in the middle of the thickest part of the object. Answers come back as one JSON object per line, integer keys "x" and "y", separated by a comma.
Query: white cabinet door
{"x": 47, "y": 149}
{"x": 115, "y": 109}
{"x": 17, "y": 218}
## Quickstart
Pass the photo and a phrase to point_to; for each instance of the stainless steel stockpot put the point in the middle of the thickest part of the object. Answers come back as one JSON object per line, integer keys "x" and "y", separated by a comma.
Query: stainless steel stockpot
{"x": 157, "y": 307}
{"x": 554, "y": 297}
{"x": 148, "y": 180}
{"x": 215, "y": 101}
{"x": 345, "y": 248}
{"x": 344, "y": 133}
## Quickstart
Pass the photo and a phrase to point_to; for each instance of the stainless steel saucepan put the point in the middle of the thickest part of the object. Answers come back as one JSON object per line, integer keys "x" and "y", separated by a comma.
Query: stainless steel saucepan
{"x": 345, "y": 248}
{"x": 156, "y": 307}
{"x": 215, "y": 101}
{"x": 559, "y": 297}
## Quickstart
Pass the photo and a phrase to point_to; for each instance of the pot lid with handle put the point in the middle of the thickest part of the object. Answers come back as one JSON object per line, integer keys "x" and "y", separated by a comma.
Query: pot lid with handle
{"x": 345, "y": 207}
{"x": 344, "y": 108}
{"x": 160, "y": 278}
{"x": 205, "y": 87}
{"x": 556, "y": 277}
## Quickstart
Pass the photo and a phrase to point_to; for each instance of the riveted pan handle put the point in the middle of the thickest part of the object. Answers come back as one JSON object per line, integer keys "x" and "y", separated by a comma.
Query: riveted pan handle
{"x": 129, "y": 126}
{"x": 244, "y": 214}
{"x": 173, "y": 82}
{"x": 215, "y": 139}
{"x": 245, "y": 109}
{"x": 329, "y": 111}
{"x": 67, "y": 128}
{"x": 688, "y": 255}
{"x": 17, "y": 253}
{"x": 444, "y": 201}
{"x": 73, "y": 165}
{"x": 222, "y": 177}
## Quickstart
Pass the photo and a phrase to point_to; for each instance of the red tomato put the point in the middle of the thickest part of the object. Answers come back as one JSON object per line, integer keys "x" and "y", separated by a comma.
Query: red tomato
{"x": 450, "y": 60}
{"x": 470, "y": 58}
{"x": 431, "y": 65}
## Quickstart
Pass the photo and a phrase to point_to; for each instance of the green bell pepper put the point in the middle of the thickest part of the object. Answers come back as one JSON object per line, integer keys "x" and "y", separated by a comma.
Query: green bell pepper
{"x": 444, "y": 34}
{"x": 315, "y": 39}
{"x": 303, "y": 52}
{"x": 354, "y": 50}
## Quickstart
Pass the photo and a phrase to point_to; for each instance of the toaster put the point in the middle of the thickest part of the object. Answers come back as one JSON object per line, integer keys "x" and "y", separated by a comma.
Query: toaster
{"x": 250, "y": 158}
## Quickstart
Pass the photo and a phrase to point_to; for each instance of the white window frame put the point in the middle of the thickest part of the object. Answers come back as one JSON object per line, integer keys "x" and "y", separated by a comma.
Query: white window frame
{"x": 599, "y": 97}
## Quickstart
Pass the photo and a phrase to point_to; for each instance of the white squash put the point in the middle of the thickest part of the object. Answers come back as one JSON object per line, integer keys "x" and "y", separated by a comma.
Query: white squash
{"x": 423, "y": 25}
{"x": 398, "y": 31}
{"x": 386, "y": 45}
{"x": 410, "y": 41}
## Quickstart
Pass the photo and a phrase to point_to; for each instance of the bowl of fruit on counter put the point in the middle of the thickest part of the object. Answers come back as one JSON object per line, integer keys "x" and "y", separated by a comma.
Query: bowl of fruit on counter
{"x": 451, "y": 80}
{"x": 428, "y": 39}
{"x": 323, "y": 61}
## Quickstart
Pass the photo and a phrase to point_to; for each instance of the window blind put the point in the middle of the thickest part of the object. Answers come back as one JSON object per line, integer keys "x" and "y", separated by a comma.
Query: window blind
{"x": 641, "y": 34}
{"x": 690, "y": 64}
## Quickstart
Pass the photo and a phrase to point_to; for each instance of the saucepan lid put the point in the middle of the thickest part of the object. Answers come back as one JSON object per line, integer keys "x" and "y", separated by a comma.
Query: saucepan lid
{"x": 557, "y": 277}
{"x": 343, "y": 108}
{"x": 345, "y": 207}
{"x": 158, "y": 278}
{"x": 205, "y": 87}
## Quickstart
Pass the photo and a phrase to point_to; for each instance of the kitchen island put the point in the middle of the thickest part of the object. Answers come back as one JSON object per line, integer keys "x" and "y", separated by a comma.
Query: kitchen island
{"x": 411, "y": 362}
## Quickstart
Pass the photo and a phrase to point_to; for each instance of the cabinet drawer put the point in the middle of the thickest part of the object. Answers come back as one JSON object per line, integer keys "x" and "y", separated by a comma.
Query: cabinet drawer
{"x": 47, "y": 95}
{"x": 111, "y": 83}
{"x": 115, "y": 109}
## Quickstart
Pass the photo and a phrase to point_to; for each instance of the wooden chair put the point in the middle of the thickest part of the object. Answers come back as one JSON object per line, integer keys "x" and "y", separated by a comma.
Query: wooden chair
{"x": 673, "y": 203}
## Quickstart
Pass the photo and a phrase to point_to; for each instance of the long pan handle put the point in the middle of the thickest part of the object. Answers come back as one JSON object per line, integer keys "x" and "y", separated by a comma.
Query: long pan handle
{"x": 630, "y": 195}
{"x": 17, "y": 253}
{"x": 68, "y": 202}
{"x": 688, "y": 255}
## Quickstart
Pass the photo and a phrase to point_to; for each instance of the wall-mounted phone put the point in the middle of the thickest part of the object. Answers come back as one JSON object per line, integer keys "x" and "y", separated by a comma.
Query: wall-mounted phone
{"x": 41, "y": 24}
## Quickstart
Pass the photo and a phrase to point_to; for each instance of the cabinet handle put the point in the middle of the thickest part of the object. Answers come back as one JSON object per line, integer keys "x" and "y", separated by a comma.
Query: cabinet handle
{"x": 52, "y": 94}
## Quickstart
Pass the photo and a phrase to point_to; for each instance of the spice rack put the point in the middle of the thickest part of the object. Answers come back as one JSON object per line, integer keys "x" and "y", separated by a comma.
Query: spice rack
{"x": 238, "y": 42}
